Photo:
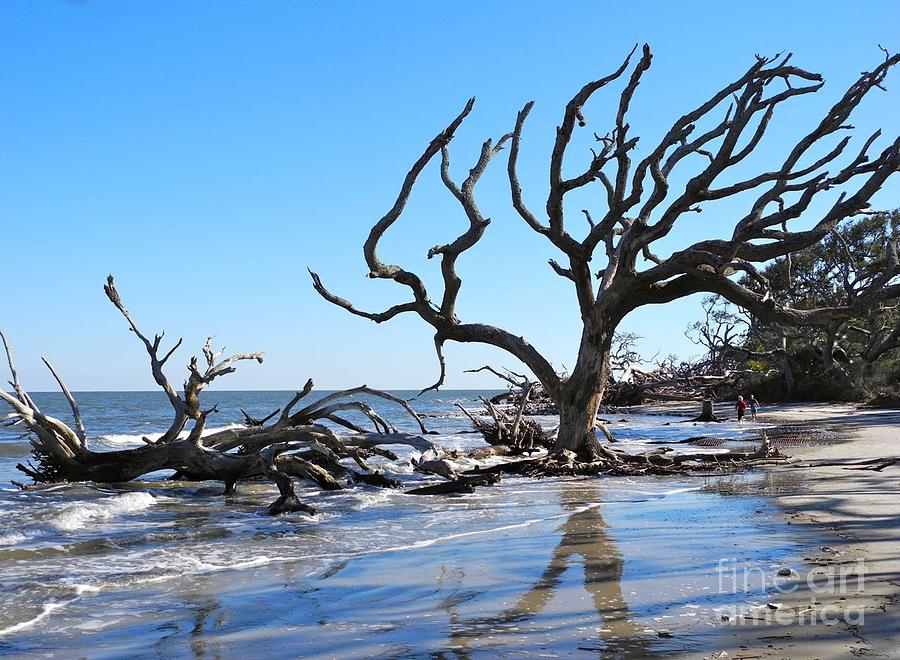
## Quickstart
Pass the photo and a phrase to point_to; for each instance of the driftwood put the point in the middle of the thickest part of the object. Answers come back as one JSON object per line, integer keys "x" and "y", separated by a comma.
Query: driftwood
{"x": 249, "y": 420}
{"x": 510, "y": 429}
{"x": 295, "y": 445}
{"x": 614, "y": 462}
{"x": 292, "y": 443}
{"x": 684, "y": 381}
{"x": 523, "y": 392}
{"x": 873, "y": 464}
{"x": 517, "y": 381}
{"x": 430, "y": 463}
{"x": 486, "y": 452}
{"x": 460, "y": 485}
{"x": 375, "y": 478}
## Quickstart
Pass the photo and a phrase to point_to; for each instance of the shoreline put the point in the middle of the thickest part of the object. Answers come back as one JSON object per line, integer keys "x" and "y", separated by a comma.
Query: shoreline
{"x": 846, "y": 603}
{"x": 537, "y": 566}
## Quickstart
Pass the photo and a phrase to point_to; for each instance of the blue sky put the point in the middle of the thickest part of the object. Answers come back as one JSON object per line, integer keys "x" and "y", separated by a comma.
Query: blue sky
{"x": 206, "y": 153}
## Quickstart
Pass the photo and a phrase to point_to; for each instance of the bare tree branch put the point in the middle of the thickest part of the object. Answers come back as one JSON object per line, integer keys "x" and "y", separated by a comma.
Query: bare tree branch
{"x": 76, "y": 411}
{"x": 514, "y": 379}
{"x": 443, "y": 317}
{"x": 286, "y": 411}
{"x": 314, "y": 410}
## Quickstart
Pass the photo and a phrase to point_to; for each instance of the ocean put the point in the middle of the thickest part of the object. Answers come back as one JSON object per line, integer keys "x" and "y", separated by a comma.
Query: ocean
{"x": 629, "y": 566}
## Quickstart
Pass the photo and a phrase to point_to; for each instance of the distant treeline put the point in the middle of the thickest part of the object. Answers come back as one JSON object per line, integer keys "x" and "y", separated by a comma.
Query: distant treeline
{"x": 852, "y": 359}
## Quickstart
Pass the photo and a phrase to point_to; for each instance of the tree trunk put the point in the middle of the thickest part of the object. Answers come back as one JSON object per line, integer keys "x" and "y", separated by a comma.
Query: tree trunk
{"x": 581, "y": 394}
{"x": 577, "y": 420}
{"x": 784, "y": 363}
{"x": 787, "y": 371}
{"x": 826, "y": 351}
{"x": 707, "y": 413}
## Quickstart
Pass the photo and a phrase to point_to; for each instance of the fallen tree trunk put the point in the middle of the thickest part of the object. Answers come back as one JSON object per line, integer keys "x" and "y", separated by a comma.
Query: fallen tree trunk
{"x": 292, "y": 446}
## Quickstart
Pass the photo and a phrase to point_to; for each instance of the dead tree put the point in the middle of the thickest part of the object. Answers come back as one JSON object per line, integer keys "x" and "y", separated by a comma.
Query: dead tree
{"x": 295, "y": 445}
{"x": 623, "y": 354}
{"x": 726, "y": 335}
{"x": 642, "y": 207}
{"x": 720, "y": 329}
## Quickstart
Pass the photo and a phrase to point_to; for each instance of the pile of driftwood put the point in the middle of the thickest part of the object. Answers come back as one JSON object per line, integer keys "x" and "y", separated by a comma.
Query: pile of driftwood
{"x": 509, "y": 428}
{"x": 528, "y": 396}
{"x": 538, "y": 403}
{"x": 615, "y": 462}
{"x": 605, "y": 460}
{"x": 667, "y": 382}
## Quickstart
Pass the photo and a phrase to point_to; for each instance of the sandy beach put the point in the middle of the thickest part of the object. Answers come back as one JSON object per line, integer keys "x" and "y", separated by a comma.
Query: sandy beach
{"x": 845, "y": 605}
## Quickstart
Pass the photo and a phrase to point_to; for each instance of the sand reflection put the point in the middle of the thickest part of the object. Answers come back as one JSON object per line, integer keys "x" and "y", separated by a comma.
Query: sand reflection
{"x": 585, "y": 559}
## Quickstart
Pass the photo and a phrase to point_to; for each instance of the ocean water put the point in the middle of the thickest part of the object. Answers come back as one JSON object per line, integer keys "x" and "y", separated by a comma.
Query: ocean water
{"x": 581, "y": 565}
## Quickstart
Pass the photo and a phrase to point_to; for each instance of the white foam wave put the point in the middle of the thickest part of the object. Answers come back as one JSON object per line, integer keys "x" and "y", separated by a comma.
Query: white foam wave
{"x": 366, "y": 499}
{"x": 201, "y": 567}
{"x": 126, "y": 439}
{"x": 46, "y": 609}
{"x": 81, "y": 589}
{"x": 136, "y": 439}
{"x": 659, "y": 494}
{"x": 172, "y": 566}
{"x": 195, "y": 566}
{"x": 77, "y": 515}
{"x": 12, "y": 538}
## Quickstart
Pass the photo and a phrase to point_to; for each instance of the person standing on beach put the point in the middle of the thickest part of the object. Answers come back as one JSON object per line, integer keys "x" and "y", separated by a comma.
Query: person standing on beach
{"x": 740, "y": 407}
{"x": 754, "y": 406}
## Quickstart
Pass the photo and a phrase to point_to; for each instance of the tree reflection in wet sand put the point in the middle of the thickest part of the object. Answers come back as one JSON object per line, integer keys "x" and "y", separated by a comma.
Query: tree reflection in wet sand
{"x": 584, "y": 542}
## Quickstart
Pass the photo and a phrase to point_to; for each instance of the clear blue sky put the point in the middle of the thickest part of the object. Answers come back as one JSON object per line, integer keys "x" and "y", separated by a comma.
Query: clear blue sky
{"x": 207, "y": 152}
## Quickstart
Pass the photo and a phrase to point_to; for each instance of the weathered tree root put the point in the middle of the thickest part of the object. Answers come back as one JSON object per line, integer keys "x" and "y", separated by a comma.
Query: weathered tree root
{"x": 615, "y": 462}
{"x": 520, "y": 435}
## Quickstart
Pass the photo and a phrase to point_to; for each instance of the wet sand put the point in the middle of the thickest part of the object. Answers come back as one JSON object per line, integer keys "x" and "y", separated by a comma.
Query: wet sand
{"x": 847, "y": 601}
{"x": 582, "y": 567}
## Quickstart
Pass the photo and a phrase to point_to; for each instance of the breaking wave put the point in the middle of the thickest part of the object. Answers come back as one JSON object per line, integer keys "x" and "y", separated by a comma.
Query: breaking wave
{"x": 79, "y": 514}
